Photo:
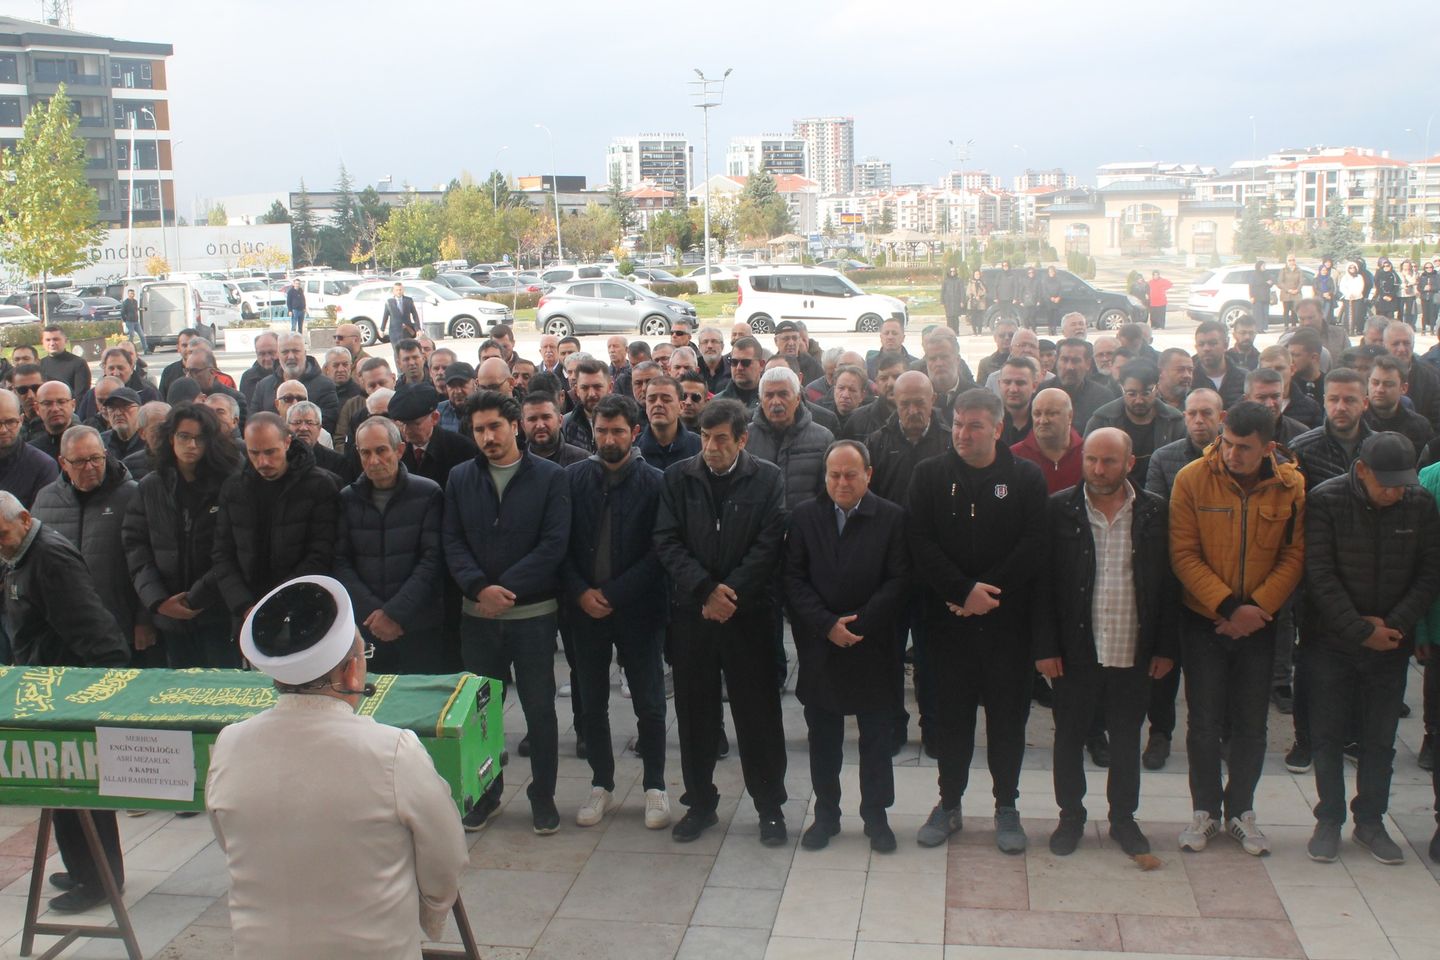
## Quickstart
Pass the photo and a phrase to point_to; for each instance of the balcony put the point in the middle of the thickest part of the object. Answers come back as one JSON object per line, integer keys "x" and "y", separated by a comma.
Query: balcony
{"x": 97, "y": 163}
{"x": 91, "y": 122}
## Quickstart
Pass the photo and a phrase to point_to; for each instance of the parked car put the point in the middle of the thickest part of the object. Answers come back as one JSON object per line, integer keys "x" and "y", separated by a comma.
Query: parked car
{"x": 443, "y": 312}
{"x": 11, "y": 314}
{"x": 718, "y": 271}
{"x": 465, "y": 285}
{"x": 608, "y": 306}
{"x": 646, "y": 276}
{"x": 1224, "y": 294}
{"x": 1103, "y": 310}
{"x": 845, "y": 266}
{"x": 325, "y": 287}
{"x": 88, "y": 309}
{"x": 169, "y": 306}
{"x": 515, "y": 283}
{"x": 579, "y": 271}
{"x": 824, "y": 299}
{"x": 252, "y": 295}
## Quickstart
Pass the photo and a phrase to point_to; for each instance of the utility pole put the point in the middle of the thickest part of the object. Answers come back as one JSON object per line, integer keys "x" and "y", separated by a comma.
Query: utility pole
{"x": 555, "y": 189}
{"x": 708, "y": 94}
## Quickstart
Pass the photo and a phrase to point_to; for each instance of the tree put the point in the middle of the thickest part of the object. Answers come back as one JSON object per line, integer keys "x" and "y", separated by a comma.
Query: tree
{"x": 411, "y": 235}
{"x": 887, "y": 219}
{"x": 346, "y": 219}
{"x": 621, "y": 205}
{"x": 216, "y": 216}
{"x": 829, "y": 228}
{"x": 499, "y": 190}
{"x": 276, "y": 214}
{"x": 303, "y": 229}
{"x": 372, "y": 206}
{"x": 48, "y": 210}
{"x": 670, "y": 229}
{"x": 1159, "y": 233}
{"x": 1254, "y": 239}
{"x": 723, "y": 215}
{"x": 157, "y": 266}
{"x": 594, "y": 232}
{"x": 1339, "y": 239}
{"x": 762, "y": 213}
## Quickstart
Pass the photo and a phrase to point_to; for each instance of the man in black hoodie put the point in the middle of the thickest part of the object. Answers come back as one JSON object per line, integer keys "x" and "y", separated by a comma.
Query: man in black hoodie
{"x": 977, "y": 531}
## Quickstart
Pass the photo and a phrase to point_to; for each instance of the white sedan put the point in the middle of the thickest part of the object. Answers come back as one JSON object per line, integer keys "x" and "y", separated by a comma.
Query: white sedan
{"x": 717, "y": 272}
{"x": 444, "y": 314}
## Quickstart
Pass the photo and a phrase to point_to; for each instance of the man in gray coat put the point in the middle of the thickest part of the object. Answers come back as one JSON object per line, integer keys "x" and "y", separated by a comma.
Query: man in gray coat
{"x": 785, "y": 433}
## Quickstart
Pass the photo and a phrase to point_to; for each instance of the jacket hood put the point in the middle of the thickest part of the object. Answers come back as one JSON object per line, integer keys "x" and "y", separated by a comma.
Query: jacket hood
{"x": 1287, "y": 474}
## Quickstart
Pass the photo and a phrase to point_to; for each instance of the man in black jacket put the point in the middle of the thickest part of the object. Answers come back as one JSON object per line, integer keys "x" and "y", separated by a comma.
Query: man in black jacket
{"x": 23, "y": 468}
{"x": 1423, "y": 380}
{"x": 719, "y": 533}
{"x": 1105, "y": 626}
{"x": 746, "y": 366}
{"x": 276, "y": 517}
{"x": 57, "y": 414}
{"x": 267, "y": 355}
{"x": 1372, "y": 569}
{"x": 873, "y": 415}
{"x": 60, "y": 364}
{"x": 1388, "y": 381}
{"x": 540, "y": 431}
{"x": 303, "y": 419}
{"x": 296, "y": 365}
{"x": 664, "y": 439}
{"x": 1212, "y": 368}
{"x": 200, "y": 367}
{"x": 846, "y": 570}
{"x": 591, "y": 382}
{"x": 610, "y": 578}
{"x": 60, "y": 627}
{"x": 976, "y": 530}
{"x": 388, "y": 554}
{"x": 429, "y": 451}
{"x": 949, "y": 373}
{"x": 1074, "y": 362}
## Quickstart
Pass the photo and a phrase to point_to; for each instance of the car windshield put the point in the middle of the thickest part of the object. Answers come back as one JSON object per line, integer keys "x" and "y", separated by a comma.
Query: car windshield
{"x": 248, "y": 285}
{"x": 459, "y": 280}
{"x": 440, "y": 291}
{"x": 846, "y": 281}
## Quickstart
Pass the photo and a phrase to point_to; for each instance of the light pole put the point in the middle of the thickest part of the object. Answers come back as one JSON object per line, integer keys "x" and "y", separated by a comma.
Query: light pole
{"x": 1254, "y": 140}
{"x": 130, "y": 216}
{"x": 495, "y": 183}
{"x": 962, "y": 155}
{"x": 555, "y": 188}
{"x": 708, "y": 93}
{"x": 159, "y": 184}
{"x": 175, "y": 222}
{"x": 1024, "y": 233}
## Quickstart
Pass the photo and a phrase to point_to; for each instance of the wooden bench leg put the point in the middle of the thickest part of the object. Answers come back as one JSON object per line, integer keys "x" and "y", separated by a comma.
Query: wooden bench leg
{"x": 471, "y": 949}
{"x": 69, "y": 932}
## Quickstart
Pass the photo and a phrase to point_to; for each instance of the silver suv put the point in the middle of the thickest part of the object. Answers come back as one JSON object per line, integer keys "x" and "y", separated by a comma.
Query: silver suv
{"x": 608, "y": 306}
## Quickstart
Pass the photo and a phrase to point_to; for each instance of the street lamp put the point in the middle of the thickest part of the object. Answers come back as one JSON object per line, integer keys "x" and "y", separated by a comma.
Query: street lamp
{"x": 708, "y": 93}
{"x": 555, "y": 188}
{"x": 494, "y": 182}
{"x": 175, "y": 223}
{"x": 961, "y": 155}
{"x": 130, "y": 214}
{"x": 159, "y": 184}
{"x": 1254, "y": 140}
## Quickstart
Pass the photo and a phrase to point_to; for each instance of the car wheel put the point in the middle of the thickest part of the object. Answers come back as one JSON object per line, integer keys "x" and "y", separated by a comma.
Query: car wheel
{"x": 655, "y": 326}
{"x": 761, "y": 323}
{"x": 1233, "y": 312}
{"x": 214, "y": 334}
{"x": 558, "y": 326}
{"x": 870, "y": 323}
{"x": 1112, "y": 320}
{"x": 368, "y": 333}
{"x": 464, "y": 328}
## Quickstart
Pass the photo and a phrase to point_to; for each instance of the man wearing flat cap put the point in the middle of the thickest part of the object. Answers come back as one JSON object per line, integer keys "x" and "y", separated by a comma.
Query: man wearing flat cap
{"x": 430, "y": 452}
{"x": 337, "y": 832}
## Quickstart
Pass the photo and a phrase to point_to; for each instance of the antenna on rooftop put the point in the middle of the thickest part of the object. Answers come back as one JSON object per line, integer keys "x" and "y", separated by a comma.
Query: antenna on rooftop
{"x": 57, "y": 13}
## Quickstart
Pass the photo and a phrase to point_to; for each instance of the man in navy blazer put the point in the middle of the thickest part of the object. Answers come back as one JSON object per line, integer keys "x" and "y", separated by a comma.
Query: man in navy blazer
{"x": 400, "y": 311}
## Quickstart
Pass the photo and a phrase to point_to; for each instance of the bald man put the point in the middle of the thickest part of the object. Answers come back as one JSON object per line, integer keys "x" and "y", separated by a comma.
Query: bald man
{"x": 1104, "y": 627}
{"x": 1053, "y": 445}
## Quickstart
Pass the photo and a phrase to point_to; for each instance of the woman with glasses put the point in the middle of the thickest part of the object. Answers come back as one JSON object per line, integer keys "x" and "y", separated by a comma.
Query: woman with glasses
{"x": 168, "y": 534}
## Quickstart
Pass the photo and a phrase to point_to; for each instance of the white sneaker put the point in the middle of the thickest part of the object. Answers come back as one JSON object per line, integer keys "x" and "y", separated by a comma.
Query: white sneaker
{"x": 594, "y": 809}
{"x": 1248, "y": 835}
{"x": 625, "y": 689}
{"x": 657, "y": 809}
{"x": 1197, "y": 835}
{"x": 564, "y": 690}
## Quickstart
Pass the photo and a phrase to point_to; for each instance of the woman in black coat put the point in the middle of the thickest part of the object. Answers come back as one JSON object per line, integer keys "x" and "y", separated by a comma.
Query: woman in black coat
{"x": 841, "y": 585}
{"x": 168, "y": 534}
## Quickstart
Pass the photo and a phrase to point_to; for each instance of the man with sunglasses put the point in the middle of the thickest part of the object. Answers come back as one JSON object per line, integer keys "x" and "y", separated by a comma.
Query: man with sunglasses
{"x": 746, "y": 365}
{"x": 695, "y": 395}
{"x": 665, "y": 440}
{"x": 26, "y": 384}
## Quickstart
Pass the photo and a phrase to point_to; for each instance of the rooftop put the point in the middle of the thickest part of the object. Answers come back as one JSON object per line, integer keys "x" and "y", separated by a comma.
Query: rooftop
{"x": 18, "y": 32}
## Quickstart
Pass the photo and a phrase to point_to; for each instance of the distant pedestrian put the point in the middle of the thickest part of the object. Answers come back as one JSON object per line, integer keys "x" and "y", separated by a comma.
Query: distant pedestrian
{"x": 295, "y": 306}
{"x": 130, "y": 317}
{"x": 1159, "y": 290}
{"x": 952, "y": 298}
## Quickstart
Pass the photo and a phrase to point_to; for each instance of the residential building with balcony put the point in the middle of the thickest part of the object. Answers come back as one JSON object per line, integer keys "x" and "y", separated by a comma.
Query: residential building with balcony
{"x": 830, "y": 145}
{"x": 664, "y": 159}
{"x": 1363, "y": 183}
{"x": 775, "y": 153}
{"x": 1425, "y": 192}
{"x": 872, "y": 173}
{"x": 1056, "y": 178}
{"x": 111, "y": 84}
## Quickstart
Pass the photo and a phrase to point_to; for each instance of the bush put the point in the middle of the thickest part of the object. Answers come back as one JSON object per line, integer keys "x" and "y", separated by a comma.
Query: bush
{"x": 683, "y": 288}
{"x": 523, "y": 301}
{"x": 724, "y": 286}
{"x": 28, "y": 334}
{"x": 626, "y": 267}
{"x": 428, "y": 272}
{"x": 920, "y": 273}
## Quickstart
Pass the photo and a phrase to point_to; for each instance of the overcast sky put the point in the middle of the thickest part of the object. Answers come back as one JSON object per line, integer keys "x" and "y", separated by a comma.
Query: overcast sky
{"x": 265, "y": 92}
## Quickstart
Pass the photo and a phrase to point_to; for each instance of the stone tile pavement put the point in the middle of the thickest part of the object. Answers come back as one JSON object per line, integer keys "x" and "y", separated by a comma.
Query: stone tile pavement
{"x": 620, "y": 891}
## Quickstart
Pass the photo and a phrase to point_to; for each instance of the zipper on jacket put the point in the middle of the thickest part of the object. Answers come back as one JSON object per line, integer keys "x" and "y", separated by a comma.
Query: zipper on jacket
{"x": 1244, "y": 540}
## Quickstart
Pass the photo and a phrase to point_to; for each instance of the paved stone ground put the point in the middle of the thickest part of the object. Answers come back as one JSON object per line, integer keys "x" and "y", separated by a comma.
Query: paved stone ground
{"x": 620, "y": 891}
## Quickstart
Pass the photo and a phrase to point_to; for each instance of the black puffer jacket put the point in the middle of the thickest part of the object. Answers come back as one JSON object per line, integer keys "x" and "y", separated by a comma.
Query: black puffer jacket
{"x": 1364, "y": 562}
{"x": 319, "y": 388}
{"x": 799, "y": 452}
{"x": 893, "y": 458}
{"x": 299, "y": 533}
{"x": 393, "y": 561}
{"x": 169, "y": 547}
{"x": 55, "y": 615}
{"x": 1320, "y": 456}
{"x": 91, "y": 522}
{"x": 1062, "y": 625}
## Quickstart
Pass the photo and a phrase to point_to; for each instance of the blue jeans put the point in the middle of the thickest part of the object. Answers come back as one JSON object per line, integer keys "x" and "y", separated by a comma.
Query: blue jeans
{"x": 297, "y": 321}
{"x": 490, "y": 648}
{"x": 640, "y": 659}
{"x": 133, "y": 331}
{"x": 1227, "y": 683}
{"x": 1334, "y": 678}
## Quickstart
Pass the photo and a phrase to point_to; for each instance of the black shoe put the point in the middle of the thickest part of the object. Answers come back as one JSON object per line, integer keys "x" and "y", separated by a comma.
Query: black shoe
{"x": 723, "y": 750}
{"x": 81, "y": 898}
{"x": 480, "y": 815}
{"x": 1298, "y": 759}
{"x": 63, "y": 881}
{"x": 1157, "y": 751}
{"x": 522, "y": 749}
{"x": 817, "y": 837}
{"x": 1066, "y": 836}
{"x": 1127, "y": 833}
{"x": 1042, "y": 694}
{"x": 694, "y": 823}
{"x": 1099, "y": 748}
{"x": 772, "y": 831}
{"x": 580, "y": 750}
{"x": 504, "y": 758}
{"x": 882, "y": 838}
{"x": 1283, "y": 699}
{"x": 544, "y": 817}
{"x": 1426, "y": 757}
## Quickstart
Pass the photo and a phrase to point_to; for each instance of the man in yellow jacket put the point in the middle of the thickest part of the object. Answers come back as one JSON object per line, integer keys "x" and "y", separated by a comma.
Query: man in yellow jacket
{"x": 1237, "y": 543}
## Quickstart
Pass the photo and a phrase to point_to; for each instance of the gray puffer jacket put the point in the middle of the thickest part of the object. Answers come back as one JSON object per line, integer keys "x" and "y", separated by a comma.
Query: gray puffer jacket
{"x": 799, "y": 452}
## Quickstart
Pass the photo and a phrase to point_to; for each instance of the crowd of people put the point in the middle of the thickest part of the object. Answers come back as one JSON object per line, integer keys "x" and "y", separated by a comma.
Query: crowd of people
{"x": 1084, "y": 526}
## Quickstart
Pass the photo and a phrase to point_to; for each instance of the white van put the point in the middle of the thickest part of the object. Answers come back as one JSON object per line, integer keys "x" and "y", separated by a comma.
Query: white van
{"x": 824, "y": 299}
{"x": 169, "y": 306}
{"x": 323, "y": 289}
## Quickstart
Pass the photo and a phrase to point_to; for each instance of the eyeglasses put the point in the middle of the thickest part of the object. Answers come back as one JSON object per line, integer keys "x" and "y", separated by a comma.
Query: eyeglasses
{"x": 189, "y": 438}
{"x": 290, "y": 399}
{"x": 12, "y": 423}
{"x": 304, "y": 423}
{"x": 95, "y": 461}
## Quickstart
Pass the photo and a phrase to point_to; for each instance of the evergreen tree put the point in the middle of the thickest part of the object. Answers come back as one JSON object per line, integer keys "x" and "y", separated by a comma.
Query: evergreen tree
{"x": 621, "y": 205}
{"x": 1254, "y": 239}
{"x": 304, "y": 231}
{"x": 1339, "y": 239}
{"x": 276, "y": 214}
{"x": 347, "y": 211}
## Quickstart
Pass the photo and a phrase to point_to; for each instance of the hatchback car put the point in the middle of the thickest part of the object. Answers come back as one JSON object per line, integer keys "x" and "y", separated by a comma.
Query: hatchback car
{"x": 608, "y": 306}
{"x": 1224, "y": 294}
{"x": 823, "y": 299}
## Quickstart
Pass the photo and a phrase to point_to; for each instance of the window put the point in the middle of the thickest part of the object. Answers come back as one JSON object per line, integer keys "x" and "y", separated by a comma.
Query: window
{"x": 580, "y": 290}
{"x": 760, "y": 284}
{"x": 824, "y": 286}
{"x": 131, "y": 74}
{"x": 9, "y": 68}
{"x": 49, "y": 70}
{"x": 790, "y": 283}
{"x": 614, "y": 291}
{"x": 10, "y": 112}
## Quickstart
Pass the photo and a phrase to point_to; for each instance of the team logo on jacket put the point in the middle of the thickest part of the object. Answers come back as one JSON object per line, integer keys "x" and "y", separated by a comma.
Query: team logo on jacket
{"x": 1002, "y": 490}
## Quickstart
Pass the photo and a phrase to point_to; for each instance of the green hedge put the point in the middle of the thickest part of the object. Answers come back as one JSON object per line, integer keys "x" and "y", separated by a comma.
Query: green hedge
{"x": 28, "y": 334}
{"x": 683, "y": 288}
{"x": 724, "y": 286}
{"x": 523, "y": 301}
{"x": 920, "y": 273}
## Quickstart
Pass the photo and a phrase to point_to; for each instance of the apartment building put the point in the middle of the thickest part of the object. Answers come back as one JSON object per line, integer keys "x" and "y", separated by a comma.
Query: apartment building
{"x": 666, "y": 160}
{"x": 775, "y": 153}
{"x": 830, "y": 145}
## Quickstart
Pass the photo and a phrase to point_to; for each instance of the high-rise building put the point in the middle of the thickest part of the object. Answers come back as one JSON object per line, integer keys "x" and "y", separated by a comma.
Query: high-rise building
{"x": 663, "y": 159}
{"x": 968, "y": 180}
{"x": 830, "y": 143}
{"x": 1044, "y": 178}
{"x": 112, "y": 85}
{"x": 775, "y": 153}
{"x": 872, "y": 173}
